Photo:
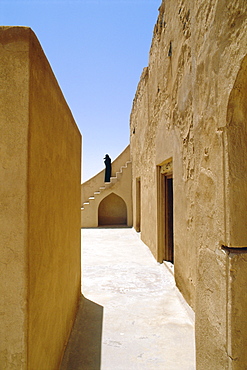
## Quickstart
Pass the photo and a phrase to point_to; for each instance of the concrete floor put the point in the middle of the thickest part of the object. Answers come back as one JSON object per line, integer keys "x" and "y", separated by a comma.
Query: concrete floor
{"x": 132, "y": 316}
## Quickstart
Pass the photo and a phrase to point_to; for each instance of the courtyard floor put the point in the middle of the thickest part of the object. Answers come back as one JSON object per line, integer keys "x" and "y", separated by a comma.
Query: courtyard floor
{"x": 131, "y": 314}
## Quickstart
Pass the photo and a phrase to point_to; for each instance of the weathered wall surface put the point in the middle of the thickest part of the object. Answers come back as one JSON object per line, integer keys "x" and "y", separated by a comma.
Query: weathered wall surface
{"x": 219, "y": 49}
{"x": 42, "y": 233}
{"x": 190, "y": 106}
{"x": 162, "y": 128}
{"x": 237, "y": 281}
{"x": 14, "y": 80}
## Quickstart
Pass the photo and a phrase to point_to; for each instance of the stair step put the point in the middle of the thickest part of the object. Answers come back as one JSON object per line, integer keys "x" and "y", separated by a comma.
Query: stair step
{"x": 113, "y": 179}
{"x": 108, "y": 184}
{"x": 126, "y": 164}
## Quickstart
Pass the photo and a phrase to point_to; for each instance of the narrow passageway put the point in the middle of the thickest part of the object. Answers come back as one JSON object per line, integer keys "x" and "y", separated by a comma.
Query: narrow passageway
{"x": 136, "y": 317}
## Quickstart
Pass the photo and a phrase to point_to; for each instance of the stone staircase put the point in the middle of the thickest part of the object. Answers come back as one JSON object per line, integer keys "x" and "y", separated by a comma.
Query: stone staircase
{"x": 107, "y": 185}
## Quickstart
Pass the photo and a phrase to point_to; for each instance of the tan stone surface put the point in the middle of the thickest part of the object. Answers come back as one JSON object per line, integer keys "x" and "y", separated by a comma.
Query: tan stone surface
{"x": 14, "y": 80}
{"x": 54, "y": 194}
{"x": 237, "y": 147}
{"x": 237, "y": 340}
{"x": 91, "y": 185}
{"x": 112, "y": 211}
{"x": 120, "y": 186}
{"x": 190, "y": 106}
{"x": 40, "y": 212}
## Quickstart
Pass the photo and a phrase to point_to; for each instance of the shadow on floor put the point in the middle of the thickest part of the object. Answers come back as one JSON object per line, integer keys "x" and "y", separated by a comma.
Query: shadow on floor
{"x": 83, "y": 351}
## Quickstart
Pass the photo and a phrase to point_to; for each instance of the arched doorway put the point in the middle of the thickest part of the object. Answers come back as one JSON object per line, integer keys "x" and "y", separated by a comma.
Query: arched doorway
{"x": 112, "y": 211}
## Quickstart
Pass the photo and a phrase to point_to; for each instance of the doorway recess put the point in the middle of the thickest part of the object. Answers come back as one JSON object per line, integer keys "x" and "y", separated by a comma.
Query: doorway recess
{"x": 138, "y": 204}
{"x": 165, "y": 212}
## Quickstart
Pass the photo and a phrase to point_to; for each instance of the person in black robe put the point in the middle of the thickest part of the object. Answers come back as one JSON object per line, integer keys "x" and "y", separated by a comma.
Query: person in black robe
{"x": 107, "y": 161}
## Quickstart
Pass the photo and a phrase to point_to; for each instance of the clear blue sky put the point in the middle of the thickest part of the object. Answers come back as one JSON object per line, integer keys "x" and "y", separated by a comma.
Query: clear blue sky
{"x": 97, "y": 50}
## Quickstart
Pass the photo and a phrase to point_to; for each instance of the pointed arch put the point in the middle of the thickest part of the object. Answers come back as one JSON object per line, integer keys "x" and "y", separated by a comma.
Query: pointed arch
{"x": 112, "y": 211}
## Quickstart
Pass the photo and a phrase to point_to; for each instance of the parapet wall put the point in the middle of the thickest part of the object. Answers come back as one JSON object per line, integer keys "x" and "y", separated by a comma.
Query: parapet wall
{"x": 95, "y": 190}
{"x": 93, "y": 184}
{"x": 40, "y": 214}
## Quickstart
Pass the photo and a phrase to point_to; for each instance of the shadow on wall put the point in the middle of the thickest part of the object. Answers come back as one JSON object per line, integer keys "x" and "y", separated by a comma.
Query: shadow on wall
{"x": 112, "y": 211}
{"x": 83, "y": 351}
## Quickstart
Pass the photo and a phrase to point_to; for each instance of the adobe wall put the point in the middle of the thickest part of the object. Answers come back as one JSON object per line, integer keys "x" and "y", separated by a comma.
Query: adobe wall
{"x": 120, "y": 186}
{"x": 183, "y": 110}
{"x": 161, "y": 129}
{"x": 42, "y": 151}
{"x": 93, "y": 184}
{"x": 14, "y": 115}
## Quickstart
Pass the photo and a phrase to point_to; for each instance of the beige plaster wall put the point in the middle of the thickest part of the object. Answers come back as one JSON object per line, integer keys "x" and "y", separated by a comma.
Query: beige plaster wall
{"x": 237, "y": 303}
{"x": 219, "y": 222}
{"x": 162, "y": 129}
{"x": 236, "y": 132}
{"x": 112, "y": 210}
{"x": 14, "y": 103}
{"x": 190, "y": 106}
{"x": 42, "y": 231}
{"x": 93, "y": 184}
{"x": 54, "y": 215}
{"x": 120, "y": 186}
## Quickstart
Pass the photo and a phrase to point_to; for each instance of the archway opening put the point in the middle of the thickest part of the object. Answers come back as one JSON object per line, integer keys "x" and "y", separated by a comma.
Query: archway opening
{"x": 112, "y": 211}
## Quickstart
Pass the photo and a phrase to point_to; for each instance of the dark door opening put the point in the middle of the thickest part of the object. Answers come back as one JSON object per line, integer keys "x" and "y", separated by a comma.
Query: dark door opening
{"x": 138, "y": 205}
{"x": 168, "y": 209}
{"x": 165, "y": 229}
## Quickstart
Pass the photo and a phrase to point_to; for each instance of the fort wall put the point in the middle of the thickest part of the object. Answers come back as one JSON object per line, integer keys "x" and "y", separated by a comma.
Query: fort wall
{"x": 187, "y": 123}
{"x": 40, "y": 216}
{"x": 115, "y": 195}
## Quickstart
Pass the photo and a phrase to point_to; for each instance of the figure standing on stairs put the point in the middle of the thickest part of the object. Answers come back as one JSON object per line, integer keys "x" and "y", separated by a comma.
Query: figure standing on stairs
{"x": 107, "y": 161}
